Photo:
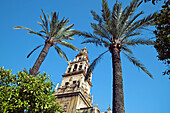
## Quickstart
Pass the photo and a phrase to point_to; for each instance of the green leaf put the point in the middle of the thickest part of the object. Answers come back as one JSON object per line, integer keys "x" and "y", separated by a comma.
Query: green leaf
{"x": 137, "y": 63}
{"x": 22, "y": 96}
{"x": 137, "y": 41}
{"x": 106, "y": 12}
{"x": 125, "y": 48}
{"x": 92, "y": 65}
{"x": 41, "y": 26}
{"x": 20, "y": 27}
{"x": 34, "y": 50}
{"x": 96, "y": 16}
{"x": 60, "y": 52}
{"x": 69, "y": 45}
{"x": 45, "y": 23}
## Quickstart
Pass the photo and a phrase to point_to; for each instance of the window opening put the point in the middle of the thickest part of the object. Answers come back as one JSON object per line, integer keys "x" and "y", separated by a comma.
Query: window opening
{"x": 85, "y": 68}
{"x": 75, "y": 67}
{"x": 67, "y": 83}
{"x": 79, "y": 58}
{"x": 74, "y": 82}
{"x": 80, "y": 67}
{"x": 69, "y": 69}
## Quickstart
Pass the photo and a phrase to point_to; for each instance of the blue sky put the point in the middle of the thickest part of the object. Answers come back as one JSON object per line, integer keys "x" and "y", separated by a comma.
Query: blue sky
{"x": 142, "y": 94}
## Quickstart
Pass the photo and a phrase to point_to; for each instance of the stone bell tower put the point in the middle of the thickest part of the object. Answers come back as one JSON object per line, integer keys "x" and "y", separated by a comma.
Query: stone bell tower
{"x": 74, "y": 93}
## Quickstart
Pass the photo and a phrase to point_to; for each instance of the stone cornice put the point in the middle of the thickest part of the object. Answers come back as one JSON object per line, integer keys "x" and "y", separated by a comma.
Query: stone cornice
{"x": 75, "y": 73}
{"x": 70, "y": 94}
{"x": 79, "y": 61}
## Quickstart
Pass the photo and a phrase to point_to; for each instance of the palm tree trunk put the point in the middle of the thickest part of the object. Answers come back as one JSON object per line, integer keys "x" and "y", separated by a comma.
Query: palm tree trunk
{"x": 118, "y": 97}
{"x": 40, "y": 59}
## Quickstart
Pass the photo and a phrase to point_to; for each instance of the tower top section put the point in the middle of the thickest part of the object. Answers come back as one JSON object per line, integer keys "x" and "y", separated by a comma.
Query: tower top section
{"x": 76, "y": 72}
{"x": 83, "y": 55}
{"x": 74, "y": 92}
{"x": 79, "y": 65}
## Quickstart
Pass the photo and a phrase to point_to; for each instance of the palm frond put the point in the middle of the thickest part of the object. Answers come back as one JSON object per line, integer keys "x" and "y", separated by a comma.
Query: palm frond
{"x": 129, "y": 24}
{"x": 61, "y": 53}
{"x": 125, "y": 48}
{"x": 42, "y": 31}
{"x": 68, "y": 35}
{"x": 69, "y": 45}
{"x": 117, "y": 11}
{"x": 45, "y": 23}
{"x": 49, "y": 19}
{"x": 30, "y": 30}
{"x": 64, "y": 30}
{"x": 90, "y": 38}
{"x": 135, "y": 17}
{"x": 126, "y": 14}
{"x": 94, "y": 41}
{"x": 137, "y": 63}
{"x": 137, "y": 41}
{"x": 34, "y": 50}
{"x": 59, "y": 28}
{"x": 25, "y": 70}
{"x": 106, "y": 12}
{"x": 106, "y": 43}
{"x": 96, "y": 16}
{"x": 62, "y": 37}
{"x": 140, "y": 24}
{"x": 68, "y": 27}
{"x": 125, "y": 36}
{"x": 42, "y": 20}
{"x": 116, "y": 14}
{"x": 101, "y": 31}
{"x": 88, "y": 35}
{"x": 20, "y": 27}
{"x": 54, "y": 22}
{"x": 41, "y": 26}
{"x": 139, "y": 3}
{"x": 33, "y": 32}
{"x": 129, "y": 10}
{"x": 133, "y": 34}
{"x": 92, "y": 66}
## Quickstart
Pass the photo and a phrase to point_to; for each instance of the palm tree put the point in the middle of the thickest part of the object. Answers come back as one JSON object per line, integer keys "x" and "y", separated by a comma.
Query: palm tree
{"x": 54, "y": 32}
{"x": 116, "y": 30}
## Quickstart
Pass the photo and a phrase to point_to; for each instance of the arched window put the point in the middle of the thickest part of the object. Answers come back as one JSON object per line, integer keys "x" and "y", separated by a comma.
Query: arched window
{"x": 67, "y": 83}
{"x": 75, "y": 67}
{"x": 85, "y": 68}
{"x": 74, "y": 82}
{"x": 69, "y": 69}
{"x": 79, "y": 58}
{"x": 80, "y": 67}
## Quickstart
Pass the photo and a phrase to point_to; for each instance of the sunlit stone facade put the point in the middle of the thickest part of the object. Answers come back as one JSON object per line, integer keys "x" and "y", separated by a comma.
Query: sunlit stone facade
{"x": 74, "y": 92}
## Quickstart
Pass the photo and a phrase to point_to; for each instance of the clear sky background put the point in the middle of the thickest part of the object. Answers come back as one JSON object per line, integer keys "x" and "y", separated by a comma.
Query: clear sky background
{"x": 142, "y": 94}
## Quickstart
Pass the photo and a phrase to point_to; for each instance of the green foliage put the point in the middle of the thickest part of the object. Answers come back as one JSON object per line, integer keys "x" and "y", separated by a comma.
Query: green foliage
{"x": 119, "y": 28}
{"x": 55, "y": 32}
{"x": 92, "y": 66}
{"x": 23, "y": 93}
{"x": 162, "y": 32}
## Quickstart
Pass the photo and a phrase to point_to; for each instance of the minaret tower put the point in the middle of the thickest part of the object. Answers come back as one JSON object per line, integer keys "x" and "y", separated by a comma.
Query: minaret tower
{"x": 74, "y": 93}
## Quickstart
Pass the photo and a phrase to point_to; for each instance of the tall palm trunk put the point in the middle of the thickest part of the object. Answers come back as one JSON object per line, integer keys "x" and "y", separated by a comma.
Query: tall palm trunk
{"x": 40, "y": 59}
{"x": 118, "y": 97}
